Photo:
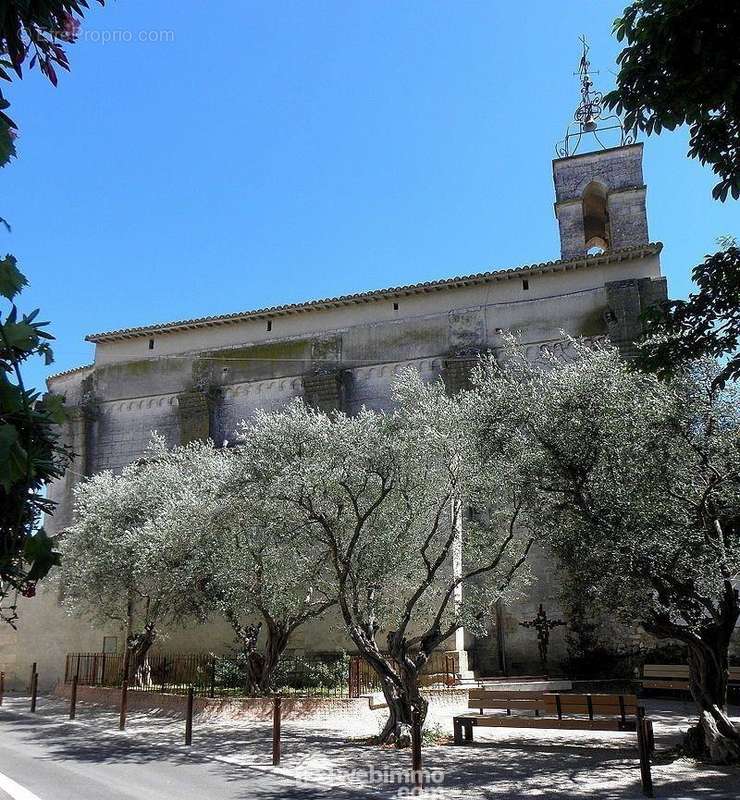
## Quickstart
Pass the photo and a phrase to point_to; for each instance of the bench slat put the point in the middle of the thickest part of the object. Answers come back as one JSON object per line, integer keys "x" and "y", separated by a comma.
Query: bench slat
{"x": 501, "y": 721}
{"x": 665, "y": 670}
{"x": 667, "y": 684}
{"x": 480, "y": 694}
{"x": 514, "y": 705}
{"x": 600, "y": 699}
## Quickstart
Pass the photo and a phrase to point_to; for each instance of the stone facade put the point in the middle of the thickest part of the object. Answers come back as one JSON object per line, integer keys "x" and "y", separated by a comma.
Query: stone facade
{"x": 199, "y": 378}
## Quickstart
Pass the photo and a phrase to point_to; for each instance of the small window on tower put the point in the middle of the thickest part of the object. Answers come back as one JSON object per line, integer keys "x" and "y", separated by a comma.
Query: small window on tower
{"x": 269, "y": 325}
{"x": 395, "y": 306}
{"x": 525, "y": 285}
{"x": 151, "y": 344}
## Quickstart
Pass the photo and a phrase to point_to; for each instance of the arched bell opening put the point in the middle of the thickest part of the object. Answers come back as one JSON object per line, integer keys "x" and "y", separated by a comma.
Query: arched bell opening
{"x": 595, "y": 218}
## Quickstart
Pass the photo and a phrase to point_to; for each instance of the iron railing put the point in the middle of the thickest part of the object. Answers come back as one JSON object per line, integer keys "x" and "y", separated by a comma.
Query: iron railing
{"x": 315, "y": 675}
{"x": 438, "y": 673}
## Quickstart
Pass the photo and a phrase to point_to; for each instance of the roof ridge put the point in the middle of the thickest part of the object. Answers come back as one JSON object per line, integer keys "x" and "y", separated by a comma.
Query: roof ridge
{"x": 310, "y": 305}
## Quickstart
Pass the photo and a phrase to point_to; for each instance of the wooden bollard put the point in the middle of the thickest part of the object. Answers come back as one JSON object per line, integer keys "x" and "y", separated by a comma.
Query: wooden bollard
{"x": 33, "y": 672}
{"x": 416, "y": 765}
{"x": 2, "y": 687}
{"x": 124, "y": 705}
{"x": 34, "y": 691}
{"x": 276, "y": 714}
{"x": 73, "y": 699}
{"x": 189, "y": 718}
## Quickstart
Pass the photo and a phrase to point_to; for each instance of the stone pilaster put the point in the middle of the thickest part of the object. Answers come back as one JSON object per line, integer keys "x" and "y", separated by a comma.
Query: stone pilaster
{"x": 626, "y": 302}
{"x": 324, "y": 389}
{"x": 458, "y": 371}
{"x": 194, "y": 412}
{"x": 78, "y": 433}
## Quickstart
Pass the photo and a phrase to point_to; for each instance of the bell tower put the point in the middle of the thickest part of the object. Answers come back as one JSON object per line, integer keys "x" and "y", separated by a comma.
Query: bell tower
{"x": 599, "y": 194}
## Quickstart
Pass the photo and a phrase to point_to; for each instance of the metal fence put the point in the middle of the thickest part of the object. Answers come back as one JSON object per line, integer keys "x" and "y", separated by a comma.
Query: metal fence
{"x": 438, "y": 673}
{"x": 315, "y": 675}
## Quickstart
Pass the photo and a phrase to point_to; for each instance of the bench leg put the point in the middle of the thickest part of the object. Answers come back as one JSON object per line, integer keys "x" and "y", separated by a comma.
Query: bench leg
{"x": 468, "y": 733}
{"x": 643, "y": 744}
{"x": 650, "y": 735}
{"x": 457, "y": 727}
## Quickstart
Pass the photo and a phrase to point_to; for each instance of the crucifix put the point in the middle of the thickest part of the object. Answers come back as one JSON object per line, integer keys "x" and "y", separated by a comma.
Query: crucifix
{"x": 543, "y": 626}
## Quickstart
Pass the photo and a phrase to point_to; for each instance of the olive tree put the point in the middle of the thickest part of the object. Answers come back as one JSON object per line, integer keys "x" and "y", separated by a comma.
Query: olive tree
{"x": 636, "y": 488}
{"x": 267, "y": 574}
{"x": 384, "y": 494}
{"x": 131, "y": 555}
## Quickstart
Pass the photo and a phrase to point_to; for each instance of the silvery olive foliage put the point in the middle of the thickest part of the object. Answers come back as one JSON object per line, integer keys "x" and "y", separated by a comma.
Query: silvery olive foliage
{"x": 635, "y": 485}
{"x": 135, "y": 554}
{"x": 385, "y": 494}
{"x": 267, "y": 573}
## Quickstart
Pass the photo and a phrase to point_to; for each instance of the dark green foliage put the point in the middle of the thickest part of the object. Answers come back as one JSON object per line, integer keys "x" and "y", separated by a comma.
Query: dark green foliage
{"x": 681, "y": 65}
{"x": 591, "y": 654}
{"x": 294, "y": 674}
{"x": 30, "y": 453}
{"x": 34, "y": 31}
{"x": 708, "y": 323}
{"x": 329, "y": 672}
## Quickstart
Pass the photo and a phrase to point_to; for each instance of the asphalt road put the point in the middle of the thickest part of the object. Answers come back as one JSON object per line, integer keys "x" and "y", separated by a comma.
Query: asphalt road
{"x": 45, "y": 760}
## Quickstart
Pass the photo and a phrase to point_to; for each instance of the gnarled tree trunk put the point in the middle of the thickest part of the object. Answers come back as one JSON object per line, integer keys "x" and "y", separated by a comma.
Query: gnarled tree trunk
{"x": 278, "y": 636}
{"x": 139, "y": 645}
{"x": 399, "y": 679}
{"x": 715, "y": 736}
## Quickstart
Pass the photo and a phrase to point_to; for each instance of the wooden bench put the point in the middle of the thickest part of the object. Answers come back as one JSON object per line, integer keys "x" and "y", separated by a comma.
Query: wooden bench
{"x": 675, "y": 677}
{"x": 560, "y": 711}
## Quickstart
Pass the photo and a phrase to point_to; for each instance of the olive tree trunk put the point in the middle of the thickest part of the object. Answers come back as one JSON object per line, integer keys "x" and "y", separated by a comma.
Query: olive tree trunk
{"x": 139, "y": 645}
{"x": 399, "y": 674}
{"x": 714, "y": 737}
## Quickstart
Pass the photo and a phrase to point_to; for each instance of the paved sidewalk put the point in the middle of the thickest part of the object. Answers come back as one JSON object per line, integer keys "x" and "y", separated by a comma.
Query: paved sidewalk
{"x": 329, "y": 754}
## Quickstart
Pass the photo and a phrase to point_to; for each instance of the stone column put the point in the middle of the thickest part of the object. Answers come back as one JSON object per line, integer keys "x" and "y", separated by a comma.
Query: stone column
{"x": 457, "y": 374}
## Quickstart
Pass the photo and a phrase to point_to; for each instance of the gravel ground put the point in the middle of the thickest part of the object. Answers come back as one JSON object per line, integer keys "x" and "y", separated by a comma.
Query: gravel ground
{"x": 501, "y": 763}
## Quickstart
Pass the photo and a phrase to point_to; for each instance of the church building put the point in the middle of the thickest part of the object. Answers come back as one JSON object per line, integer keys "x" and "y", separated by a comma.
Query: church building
{"x": 197, "y": 378}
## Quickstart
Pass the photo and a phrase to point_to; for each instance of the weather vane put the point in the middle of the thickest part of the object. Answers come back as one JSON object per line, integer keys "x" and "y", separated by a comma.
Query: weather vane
{"x": 588, "y": 117}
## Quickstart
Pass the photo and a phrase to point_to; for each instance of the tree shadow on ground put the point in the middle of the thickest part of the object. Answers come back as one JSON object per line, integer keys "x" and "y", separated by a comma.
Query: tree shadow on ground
{"x": 510, "y": 765}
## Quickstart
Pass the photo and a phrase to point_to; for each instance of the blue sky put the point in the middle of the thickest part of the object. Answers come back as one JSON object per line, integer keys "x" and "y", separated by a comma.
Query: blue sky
{"x": 260, "y": 153}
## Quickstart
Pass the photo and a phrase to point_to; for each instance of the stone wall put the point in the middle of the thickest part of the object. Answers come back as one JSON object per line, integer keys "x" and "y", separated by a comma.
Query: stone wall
{"x": 258, "y": 709}
{"x": 198, "y": 383}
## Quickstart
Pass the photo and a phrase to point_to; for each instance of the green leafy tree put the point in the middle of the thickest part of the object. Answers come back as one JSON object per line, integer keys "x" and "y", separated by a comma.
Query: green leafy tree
{"x": 34, "y": 31}
{"x": 706, "y": 324}
{"x": 681, "y": 65}
{"x": 30, "y": 452}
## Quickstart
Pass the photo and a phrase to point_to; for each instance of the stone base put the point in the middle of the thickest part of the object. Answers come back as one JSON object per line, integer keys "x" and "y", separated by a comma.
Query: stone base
{"x": 528, "y": 686}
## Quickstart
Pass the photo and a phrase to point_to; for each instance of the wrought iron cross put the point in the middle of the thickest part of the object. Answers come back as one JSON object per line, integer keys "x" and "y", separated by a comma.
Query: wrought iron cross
{"x": 543, "y": 626}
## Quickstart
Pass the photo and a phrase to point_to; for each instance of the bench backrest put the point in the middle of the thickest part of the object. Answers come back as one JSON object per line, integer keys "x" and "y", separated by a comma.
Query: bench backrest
{"x": 665, "y": 671}
{"x": 678, "y": 671}
{"x": 555, "y": 703}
